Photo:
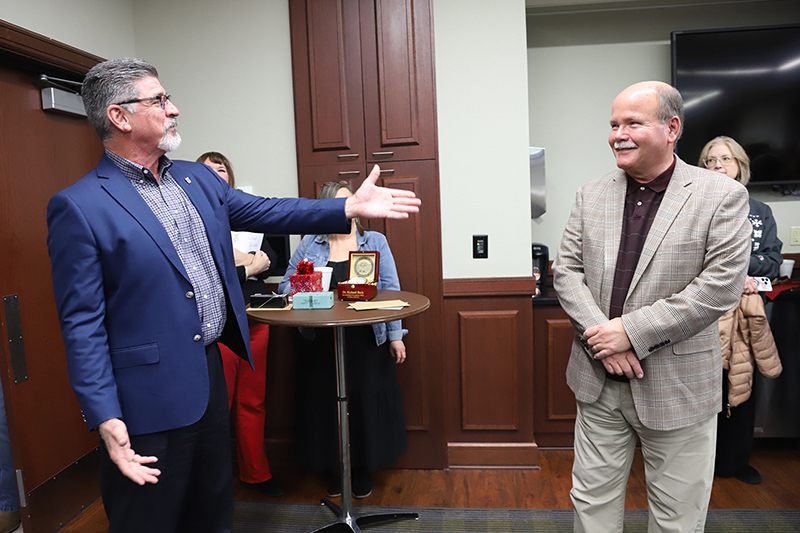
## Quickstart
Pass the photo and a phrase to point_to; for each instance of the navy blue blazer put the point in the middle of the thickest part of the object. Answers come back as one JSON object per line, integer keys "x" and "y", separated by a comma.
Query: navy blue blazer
{"x": 127, "y": 310}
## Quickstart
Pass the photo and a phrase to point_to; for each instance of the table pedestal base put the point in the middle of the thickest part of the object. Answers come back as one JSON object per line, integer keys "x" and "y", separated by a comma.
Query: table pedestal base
{"x": 355, "y": 523}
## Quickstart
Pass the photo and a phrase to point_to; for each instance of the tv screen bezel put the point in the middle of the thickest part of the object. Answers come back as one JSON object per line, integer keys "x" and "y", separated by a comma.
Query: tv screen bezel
{"x": 674, "y": 73}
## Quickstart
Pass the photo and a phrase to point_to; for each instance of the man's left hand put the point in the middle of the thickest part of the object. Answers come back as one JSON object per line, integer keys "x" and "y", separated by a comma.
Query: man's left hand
{"x": 607, "y": 338}
{"x": 371, "y": 201}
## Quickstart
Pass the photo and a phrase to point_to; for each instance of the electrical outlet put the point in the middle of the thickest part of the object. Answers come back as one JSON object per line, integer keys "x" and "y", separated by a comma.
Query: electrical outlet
{"x": 794, "y": 238}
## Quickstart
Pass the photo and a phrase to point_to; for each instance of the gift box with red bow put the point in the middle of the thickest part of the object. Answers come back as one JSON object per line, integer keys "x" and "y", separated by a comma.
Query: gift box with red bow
{"x": 305, "y": 280}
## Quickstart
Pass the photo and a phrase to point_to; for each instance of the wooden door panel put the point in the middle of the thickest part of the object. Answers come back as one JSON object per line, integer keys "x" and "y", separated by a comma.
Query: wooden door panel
{"x": 398, "y": 80}
{"x": 40, "y": 154}
{"x": 326, "y": 62}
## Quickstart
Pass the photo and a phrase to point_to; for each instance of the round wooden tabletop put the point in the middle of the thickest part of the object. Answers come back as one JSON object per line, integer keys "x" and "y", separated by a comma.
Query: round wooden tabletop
{"x": 340, "y": 315}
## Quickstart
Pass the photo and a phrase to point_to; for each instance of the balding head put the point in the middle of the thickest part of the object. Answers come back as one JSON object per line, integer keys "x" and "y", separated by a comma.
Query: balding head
{"x": 646, "y": 121}
{"x": 669, "y": 100}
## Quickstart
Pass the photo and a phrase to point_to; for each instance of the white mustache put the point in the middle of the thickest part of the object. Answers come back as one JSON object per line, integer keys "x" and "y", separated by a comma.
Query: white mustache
{"x": 621, "y": 145}
{"x": 172, "y": 122}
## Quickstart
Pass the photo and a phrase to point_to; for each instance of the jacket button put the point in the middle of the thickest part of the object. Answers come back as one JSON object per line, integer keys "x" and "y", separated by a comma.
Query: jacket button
{"x": 190, "y": 294}
{"x": 198, "y": 337}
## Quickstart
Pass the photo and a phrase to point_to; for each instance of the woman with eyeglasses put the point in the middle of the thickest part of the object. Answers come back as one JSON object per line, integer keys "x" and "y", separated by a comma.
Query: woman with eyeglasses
{"x": 744, "y": 331}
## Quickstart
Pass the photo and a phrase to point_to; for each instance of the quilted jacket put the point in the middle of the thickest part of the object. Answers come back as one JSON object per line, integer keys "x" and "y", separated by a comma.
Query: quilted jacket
{"x": 747, "y": 341}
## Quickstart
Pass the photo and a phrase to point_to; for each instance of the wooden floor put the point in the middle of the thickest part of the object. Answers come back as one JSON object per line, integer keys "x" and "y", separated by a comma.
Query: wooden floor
{"x": 543, "y": 488}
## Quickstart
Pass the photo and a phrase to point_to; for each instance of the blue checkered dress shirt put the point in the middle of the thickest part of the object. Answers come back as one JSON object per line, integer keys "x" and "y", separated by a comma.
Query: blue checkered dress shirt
{"x": 186, "y": 230}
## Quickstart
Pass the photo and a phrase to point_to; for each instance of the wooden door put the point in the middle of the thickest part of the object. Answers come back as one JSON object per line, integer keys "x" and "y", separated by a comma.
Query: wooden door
{"x": 326, "y": 62}
{"x": 399, "y": 102}
{"x": 54, "y": 453}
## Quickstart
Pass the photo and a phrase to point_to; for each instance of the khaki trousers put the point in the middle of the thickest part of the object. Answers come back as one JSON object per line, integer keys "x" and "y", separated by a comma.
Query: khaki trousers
{"x": 679, "y": 467}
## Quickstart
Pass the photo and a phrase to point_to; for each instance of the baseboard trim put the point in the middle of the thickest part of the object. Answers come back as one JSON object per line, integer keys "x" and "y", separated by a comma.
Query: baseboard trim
{"x": 493, "y": 455}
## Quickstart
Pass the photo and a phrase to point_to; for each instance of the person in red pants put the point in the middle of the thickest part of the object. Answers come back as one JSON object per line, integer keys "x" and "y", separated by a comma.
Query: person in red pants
{"x": 247, "y": 387}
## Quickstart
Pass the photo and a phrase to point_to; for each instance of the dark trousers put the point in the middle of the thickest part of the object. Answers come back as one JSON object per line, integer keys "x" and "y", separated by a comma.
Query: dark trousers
{"x": 194, "y": 492}
{"x": 734, "y": 434}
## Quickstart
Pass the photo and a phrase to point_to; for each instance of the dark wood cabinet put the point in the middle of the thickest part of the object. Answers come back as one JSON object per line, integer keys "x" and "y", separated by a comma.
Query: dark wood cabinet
{"x": 326, "y": 66}
{"x": 363, "y": 81}
{"x": 554, "y": 402}
{"x": 397, "y": 69}
{"x": 363, "y": 87}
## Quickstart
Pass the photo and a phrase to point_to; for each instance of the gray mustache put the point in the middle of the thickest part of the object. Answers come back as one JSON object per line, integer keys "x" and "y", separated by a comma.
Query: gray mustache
{"x": 621, "y": 145}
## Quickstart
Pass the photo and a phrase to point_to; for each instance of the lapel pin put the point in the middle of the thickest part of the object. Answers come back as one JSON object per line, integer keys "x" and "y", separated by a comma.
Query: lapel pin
{"x": 187, "y": 179}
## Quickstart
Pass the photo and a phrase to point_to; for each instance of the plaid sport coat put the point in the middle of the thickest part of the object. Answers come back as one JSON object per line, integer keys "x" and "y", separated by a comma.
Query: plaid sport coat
{"x": 691, "y": 271}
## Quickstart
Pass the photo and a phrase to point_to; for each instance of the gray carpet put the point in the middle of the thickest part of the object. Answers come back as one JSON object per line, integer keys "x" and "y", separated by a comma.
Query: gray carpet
{"x": 269, "y": 517}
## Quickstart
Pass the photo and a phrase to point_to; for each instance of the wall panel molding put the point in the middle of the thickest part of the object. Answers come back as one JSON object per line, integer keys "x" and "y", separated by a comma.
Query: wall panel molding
{"x": 472, "y": 287}
{"x": 489, "y": 386}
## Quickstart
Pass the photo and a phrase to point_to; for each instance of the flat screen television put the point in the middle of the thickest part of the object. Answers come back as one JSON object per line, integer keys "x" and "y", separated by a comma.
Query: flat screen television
{"x": 743, "y": 83}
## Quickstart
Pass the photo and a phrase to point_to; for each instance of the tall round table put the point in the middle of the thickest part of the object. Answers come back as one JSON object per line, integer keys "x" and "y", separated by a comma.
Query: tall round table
{"x": 338, "y": 317}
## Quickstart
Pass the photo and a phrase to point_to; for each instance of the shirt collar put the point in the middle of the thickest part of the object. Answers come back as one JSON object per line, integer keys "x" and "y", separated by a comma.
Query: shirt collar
{"x": 657, "y": 185}
{"x": 130, "y": 169}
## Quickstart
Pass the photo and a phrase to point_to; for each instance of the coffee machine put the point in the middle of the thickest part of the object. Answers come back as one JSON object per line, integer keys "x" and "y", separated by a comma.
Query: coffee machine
{"x": 541, "y": 264}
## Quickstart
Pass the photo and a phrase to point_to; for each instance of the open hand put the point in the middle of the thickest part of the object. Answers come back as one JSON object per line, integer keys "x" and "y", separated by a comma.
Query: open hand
{"x": 132, "y": 465}
{"x": 371, "y": 201}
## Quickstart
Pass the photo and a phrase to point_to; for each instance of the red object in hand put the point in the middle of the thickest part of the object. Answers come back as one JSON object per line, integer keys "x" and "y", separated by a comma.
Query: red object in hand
{"x": 305, "y": 267}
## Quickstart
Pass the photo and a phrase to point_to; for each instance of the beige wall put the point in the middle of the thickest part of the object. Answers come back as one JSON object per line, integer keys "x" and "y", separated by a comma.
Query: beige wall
{"x": 481, "y": 86}
{"x": 578, "y": 63}
{"x": 229, "y": 71}
{"x": 79, "y": 23}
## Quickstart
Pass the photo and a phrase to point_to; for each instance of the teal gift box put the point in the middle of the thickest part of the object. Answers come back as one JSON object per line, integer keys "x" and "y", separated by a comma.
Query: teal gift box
{"x": 313, "y": 300}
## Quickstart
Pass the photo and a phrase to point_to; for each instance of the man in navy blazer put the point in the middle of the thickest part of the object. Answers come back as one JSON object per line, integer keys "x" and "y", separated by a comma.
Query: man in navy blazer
{"x": 145, "y": 286}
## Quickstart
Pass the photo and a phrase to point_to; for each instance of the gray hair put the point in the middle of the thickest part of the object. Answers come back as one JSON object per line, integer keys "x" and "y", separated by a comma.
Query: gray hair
{"x": 111, "y": 82}
{"x": 670, "y": 104}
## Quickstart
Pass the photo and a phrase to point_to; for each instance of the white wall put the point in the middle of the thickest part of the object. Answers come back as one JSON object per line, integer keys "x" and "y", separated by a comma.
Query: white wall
{"x": 481, "y": 86}
{"x": 579, "y": 62}
{"x": 101, "y": 27}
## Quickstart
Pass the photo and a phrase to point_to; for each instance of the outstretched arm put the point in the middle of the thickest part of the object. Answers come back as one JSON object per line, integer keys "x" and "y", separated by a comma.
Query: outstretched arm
{"x": 371, "y": 201}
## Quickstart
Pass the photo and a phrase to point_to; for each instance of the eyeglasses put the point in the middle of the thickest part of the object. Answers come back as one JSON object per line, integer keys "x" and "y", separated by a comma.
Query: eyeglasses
{"x": 162, "y": 99}
{"x": 712, "y": 161}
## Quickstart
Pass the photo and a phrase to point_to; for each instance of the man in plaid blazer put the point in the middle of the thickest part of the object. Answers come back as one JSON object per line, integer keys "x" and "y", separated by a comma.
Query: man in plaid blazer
{"x": 652, "y": 255}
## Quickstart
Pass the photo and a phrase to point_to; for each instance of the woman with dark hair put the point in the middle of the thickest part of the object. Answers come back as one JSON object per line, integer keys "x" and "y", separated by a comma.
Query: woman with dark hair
{"x": 247, "y": 387}
{"x": 742, "y": 351}
{"x": 377, "y": 422}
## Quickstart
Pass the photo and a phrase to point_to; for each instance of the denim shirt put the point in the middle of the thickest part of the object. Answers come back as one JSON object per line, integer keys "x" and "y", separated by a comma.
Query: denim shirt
{"x": 315, "y": 248}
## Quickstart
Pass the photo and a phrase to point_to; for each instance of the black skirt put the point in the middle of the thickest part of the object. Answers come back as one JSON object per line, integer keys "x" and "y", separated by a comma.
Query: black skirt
{"x": 377, "y": 422}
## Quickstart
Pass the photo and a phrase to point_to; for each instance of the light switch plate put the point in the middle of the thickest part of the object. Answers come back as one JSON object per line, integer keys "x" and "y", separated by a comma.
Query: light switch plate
{"x": 480, "y": 246}
{"x": 794, "y": 238}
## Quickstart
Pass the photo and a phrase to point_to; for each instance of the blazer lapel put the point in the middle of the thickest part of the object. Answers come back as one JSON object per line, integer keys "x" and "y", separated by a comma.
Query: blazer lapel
{"x": 118, "y": 186}
{"x": 614, "y": 209}
{"x": 674, "y": 199}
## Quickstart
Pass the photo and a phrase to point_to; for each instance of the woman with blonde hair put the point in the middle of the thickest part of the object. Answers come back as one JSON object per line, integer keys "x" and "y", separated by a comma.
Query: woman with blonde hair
{"x": 744, "y": 331}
